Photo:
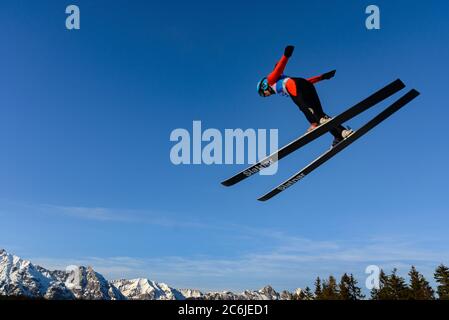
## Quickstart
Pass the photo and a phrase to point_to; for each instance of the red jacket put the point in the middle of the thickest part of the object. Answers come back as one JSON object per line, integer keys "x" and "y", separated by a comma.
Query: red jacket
{"x": 290, "y": 85}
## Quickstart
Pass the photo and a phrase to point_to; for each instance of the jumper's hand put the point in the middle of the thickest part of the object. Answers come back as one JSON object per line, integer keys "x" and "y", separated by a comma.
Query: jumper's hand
{"x": 328, "y": 75}
{"x": 288, "y": 51}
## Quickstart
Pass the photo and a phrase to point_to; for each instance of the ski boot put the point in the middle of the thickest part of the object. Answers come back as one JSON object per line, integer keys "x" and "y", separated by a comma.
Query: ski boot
{"x": 344, "y": 134}
{"x": 312, "y": 127}
{"x": 325, "y": 119}
{"x": 322, "y": 121}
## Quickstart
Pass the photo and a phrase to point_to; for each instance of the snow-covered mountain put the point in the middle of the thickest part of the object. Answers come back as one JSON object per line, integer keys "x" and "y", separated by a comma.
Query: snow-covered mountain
{"x": 144, "y": 289}
{"x": 20, "y": 277}
{"x": 266, "y": 293}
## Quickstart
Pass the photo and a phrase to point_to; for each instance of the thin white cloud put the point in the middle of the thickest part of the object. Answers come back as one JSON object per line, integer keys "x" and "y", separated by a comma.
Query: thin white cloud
{"x": 112, "y": 215}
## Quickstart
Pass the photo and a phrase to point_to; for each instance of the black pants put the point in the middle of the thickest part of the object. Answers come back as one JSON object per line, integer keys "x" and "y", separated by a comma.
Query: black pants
{"x": 309, "y": 103}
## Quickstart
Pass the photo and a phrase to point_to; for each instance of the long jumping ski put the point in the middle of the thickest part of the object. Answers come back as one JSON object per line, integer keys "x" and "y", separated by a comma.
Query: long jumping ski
{"x": 409, "y": 96}
{"x": 350, "y": 113}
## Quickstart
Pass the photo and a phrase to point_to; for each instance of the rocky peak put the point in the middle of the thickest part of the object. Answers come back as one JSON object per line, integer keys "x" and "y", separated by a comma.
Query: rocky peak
{"x": 20, "y": 277}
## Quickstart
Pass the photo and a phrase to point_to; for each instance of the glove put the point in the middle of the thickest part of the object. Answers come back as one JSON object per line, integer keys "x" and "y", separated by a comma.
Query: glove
{"x": 328, "y": 75}
{"x": 288, "y": 51}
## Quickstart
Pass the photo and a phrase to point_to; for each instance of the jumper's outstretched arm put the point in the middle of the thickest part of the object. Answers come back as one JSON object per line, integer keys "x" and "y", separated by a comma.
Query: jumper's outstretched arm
{"x": 280, "y": 66}
{"x": 278, "y": 71}
{"x": 324, "y": 76}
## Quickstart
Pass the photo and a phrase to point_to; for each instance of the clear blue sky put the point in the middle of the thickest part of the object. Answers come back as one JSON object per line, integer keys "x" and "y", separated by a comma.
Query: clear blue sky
{"x": 85, "y": 120}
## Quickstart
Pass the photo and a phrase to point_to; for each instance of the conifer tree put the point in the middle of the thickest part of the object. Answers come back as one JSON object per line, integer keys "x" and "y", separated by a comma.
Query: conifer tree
{"x": 391, "y": 287}
{"x": 442, "y": 278}
{"x": 305, "y": 294}
{"x": 379, "y": 293}
{"x": 348, "y": 288}
{"x": 318, "y": 289}
{"x": 397, "y": 288}
{"x": 419, "y": 287}
{"x": 343, "y": 287}
{"x": 330, "y": 289}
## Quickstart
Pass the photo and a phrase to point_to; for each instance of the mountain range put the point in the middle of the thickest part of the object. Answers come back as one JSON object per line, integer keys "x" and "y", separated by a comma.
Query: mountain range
{"x": 19, "y": 277}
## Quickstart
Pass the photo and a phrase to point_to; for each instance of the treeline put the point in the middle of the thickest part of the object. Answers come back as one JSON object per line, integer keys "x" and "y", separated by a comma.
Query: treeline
{"x": 391, "y": 287}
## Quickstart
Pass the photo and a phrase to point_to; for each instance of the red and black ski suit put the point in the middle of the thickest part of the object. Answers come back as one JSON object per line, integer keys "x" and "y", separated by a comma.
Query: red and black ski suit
{"x": 302, "y": 92}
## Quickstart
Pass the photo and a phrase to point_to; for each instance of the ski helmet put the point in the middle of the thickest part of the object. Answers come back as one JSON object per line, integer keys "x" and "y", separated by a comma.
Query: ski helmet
{"x": 262, "y": 86}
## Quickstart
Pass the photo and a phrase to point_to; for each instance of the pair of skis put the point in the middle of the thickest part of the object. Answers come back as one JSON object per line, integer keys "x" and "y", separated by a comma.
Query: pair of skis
{"x": 350, "y": 113}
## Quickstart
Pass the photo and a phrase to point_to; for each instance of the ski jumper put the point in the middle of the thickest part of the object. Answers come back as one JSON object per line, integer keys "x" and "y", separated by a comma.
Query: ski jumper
{"x": 302, "y": 92}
